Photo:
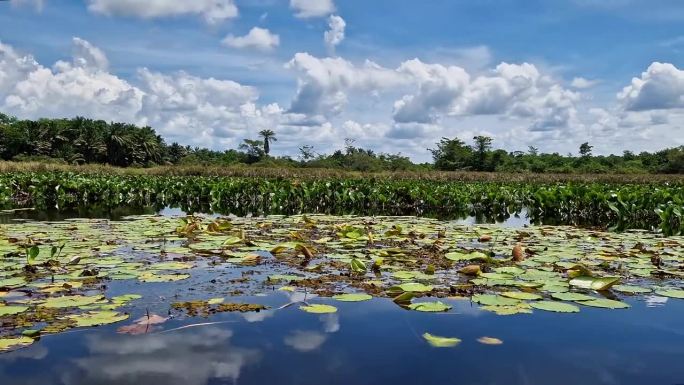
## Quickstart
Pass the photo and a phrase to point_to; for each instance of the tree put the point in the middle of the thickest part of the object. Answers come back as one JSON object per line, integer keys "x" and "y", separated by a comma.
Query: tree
{"x": 451, "y": 154}
{"x": 254, "y": 150}
{"x": 534, "y": 151}
{"x": 306, "y": 152}
{"x": 585, "y": 149}
{"x": 482, "y": 146}
{"x": 269, "y": 136}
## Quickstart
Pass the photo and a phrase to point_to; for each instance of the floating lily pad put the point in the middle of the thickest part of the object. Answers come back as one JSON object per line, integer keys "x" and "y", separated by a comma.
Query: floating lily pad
{"x": 12, "y": 310}
{"x": 474, "y": 256}
{"x": 319, "y": 309}
{"x": 355, "y": 297}
{"x": 594, "y": 283}
{"x": 605, "y": 303}
{"x": 572, "y": 296}
{"x": 521, "y": 295}
{"x": 415, "y": 287}
{"x": 97, "y": 318}
{"x": 14, "y": 342}
{"x": 629, "y": 289}
{"x": 431, "y": 307}
{"x": 558, "y": 307}
{"x": 672, "y": 293}
{"x": 71, "y": 301}
{"x": 441, "y": 342}
{"x": 494, "y": 300}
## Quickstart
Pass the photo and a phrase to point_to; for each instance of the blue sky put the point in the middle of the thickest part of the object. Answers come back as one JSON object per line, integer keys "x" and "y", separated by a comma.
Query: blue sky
{"x": 394, "y": 75}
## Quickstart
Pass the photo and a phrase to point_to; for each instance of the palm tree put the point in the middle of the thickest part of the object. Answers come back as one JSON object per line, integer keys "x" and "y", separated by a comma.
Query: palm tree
{"x": 269, "y": 136}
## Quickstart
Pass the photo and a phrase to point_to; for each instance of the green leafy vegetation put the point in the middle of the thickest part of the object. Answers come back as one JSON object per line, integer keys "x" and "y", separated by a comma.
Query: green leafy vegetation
{"x": 307, "y": 261}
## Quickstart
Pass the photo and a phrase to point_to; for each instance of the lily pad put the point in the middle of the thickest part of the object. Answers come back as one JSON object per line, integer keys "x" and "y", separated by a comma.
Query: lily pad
{"x": 319, "y": 309}
{"x": 494, "y": 300}
{"x": 430, "y": 307}
{"x": 558, "y": 307}
{"x": 12, "y": 343}
{"x": 605, "y": 303}
{"x": 672, "y": 293}
{"x": 97, "y": 318}
{"x": 12, "y": 310}
{"x": 71, "y": 301}
{"x": 441, "y": 342}
{"x": 594, "y": 283}
{"x": 355, "y": 297}
{"x": 414, "y": 287}
{"x": 459, "y": 257}
{"x": 521, "y": 295}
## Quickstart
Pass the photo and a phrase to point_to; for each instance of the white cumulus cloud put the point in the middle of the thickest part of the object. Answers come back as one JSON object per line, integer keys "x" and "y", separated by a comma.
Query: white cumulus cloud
{"x": 335, "y": 34}
{"x": 257, "y": 38}
{"x": 213, "y": 11}
{"x": 312, "y": 8}
{"x": 661, "y": 86}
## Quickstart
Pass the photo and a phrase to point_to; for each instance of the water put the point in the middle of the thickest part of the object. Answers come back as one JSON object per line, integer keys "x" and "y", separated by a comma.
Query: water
{"x": 369, "y": 343}
{"x": 374, "y": 342}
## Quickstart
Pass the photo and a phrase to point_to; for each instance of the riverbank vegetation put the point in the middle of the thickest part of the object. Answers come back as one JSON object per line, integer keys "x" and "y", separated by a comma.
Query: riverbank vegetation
{"x": 85, "y": 141}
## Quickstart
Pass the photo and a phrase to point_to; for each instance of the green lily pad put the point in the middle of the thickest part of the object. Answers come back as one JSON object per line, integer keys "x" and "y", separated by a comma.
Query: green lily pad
{"x": 672, "y": 293}
{"x": 558, "y": 307}
{"x": 14, "y": 342}
{"x": 71, "y": 301}
{"x": 12, "y": 310}
{"x": 494, "y": 300}
{"x": 459, "y": 257}
{"x": 431, "y": 307}
{"x": 319, "y": 309}
{"x": 97, "y": 318}
{"x": 594, "y": 283}
{"x": 605, "y": 303}
{"x": 629, "y": 289}
{"x": 441, "y": 342}
{"x": 568, "y": 296}
{"x": 521, "y": 295}
{"x": 355, "y": 297}
{"x": 414, "y": 287}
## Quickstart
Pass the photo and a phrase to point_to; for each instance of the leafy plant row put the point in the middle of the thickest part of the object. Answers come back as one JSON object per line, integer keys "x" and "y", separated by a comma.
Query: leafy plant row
{"x": 618, "y": 206}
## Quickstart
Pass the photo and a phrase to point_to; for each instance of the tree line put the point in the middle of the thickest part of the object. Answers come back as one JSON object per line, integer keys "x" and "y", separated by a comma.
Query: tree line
{"x": 87, "y": 141}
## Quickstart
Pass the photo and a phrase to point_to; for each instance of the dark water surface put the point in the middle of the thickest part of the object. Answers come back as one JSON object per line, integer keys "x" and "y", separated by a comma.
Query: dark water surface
{"x": 374, "y": 342}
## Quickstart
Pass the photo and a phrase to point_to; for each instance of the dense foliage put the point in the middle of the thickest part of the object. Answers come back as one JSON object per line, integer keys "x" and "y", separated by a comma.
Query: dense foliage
{"x": 81, "y": 140}
{"x": 620, "y": 206}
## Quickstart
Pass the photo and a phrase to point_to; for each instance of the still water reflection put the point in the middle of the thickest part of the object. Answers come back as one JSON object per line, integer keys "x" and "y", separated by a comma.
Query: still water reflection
{"x": 369, "y": 343}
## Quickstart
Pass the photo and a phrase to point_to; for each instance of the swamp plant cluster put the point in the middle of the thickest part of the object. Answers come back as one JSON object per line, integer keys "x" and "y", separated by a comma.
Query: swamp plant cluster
{"x": 651, "y": 206}
{"x": 56, "y": 276}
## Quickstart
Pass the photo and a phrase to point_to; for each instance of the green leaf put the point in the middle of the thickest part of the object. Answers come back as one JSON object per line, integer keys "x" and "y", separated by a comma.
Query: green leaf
{"x": 357, "y": 266}
{"x": 594, "y": 283}
{"x": 97, "y": 318}
{"x": 319, "y": 309}
{"x": 629, "y": 289}
{"x": 414, "y": 287}
{"x": 521, "y": 295}
{"x": 672, "y": 293}
{"x": 605, "y": 303}
{"x": 558, "y": 307}
{"x": 568, "y": 296}
{"x": 71, "y": 301}
{"x": 433, "y": 307}
{"x": 355, "y": 297}
{"x": 11, "y": 343}
{"x": 12, "y": 310}
{"x": 441, "y": 342}
{"x": 494, "y": 300}
{"x": 459, "y": 256}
